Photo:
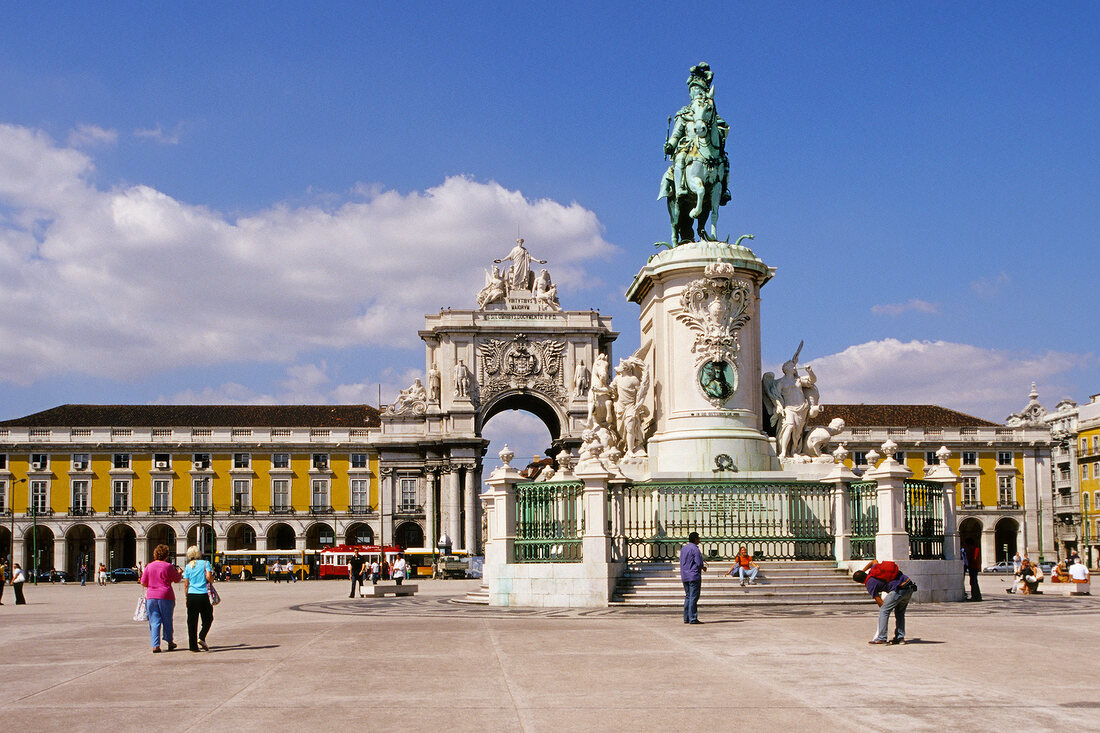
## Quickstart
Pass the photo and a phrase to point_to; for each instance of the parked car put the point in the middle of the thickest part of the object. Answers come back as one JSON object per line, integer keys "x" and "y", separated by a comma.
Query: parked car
{"x": 54, "y": 576}
{"x": 1004, "y": 566}
{"x": 1047, "y": 566}
{"x": 120, "y": 574}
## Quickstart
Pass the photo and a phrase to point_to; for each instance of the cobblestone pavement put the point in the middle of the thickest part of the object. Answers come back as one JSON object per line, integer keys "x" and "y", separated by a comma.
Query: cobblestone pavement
{"x": 305, "y": 656}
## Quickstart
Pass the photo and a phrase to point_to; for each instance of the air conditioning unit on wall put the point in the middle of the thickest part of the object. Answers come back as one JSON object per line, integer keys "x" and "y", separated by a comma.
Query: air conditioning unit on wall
{"x": 79, "y": 465}
{"x": 38, "y": 466}
{"x": 162, "y": 464}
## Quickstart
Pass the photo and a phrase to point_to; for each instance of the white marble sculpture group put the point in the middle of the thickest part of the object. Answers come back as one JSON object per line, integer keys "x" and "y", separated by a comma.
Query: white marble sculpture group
{"x": 519, "y": 279}
{"x": 617, "y": 411}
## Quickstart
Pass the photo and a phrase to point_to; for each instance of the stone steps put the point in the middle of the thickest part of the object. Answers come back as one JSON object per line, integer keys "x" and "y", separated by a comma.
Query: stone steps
{"x": 779, "y": 583}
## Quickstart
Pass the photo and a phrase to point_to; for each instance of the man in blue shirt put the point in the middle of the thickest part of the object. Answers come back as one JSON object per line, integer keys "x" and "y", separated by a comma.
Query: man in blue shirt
{"x": 691, "y": 572}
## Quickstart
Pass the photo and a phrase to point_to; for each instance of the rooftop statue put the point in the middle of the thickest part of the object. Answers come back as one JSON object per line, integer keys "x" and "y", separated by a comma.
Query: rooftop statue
{"x": 519, "y": 275}
{"x": 697, "y": 182}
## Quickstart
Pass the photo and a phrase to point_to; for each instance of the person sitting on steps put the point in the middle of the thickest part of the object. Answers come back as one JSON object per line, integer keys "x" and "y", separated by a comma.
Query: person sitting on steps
{"x": 744, "y": 567}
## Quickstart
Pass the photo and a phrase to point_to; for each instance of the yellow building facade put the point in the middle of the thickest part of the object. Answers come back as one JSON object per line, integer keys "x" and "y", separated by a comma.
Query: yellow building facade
{"x": 1088, "y": 468}
{"x": 84, "y": 484}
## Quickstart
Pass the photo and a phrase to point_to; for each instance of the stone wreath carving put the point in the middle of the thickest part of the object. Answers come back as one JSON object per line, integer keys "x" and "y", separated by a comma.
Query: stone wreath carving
{"x": 715, "y": 307}
{"x": 520, "y": 363}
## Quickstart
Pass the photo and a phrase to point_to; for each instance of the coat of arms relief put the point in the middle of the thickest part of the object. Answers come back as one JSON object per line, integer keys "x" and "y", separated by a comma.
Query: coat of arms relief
{"x": 716, "y": 307}
{"x": 521, "y": 363}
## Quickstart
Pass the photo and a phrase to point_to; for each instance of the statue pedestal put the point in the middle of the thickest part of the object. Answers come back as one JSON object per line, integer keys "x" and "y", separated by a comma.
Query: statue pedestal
{"x": 700, "y": 305}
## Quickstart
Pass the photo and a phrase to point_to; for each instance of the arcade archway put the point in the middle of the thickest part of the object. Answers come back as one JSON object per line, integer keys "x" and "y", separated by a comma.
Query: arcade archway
{"x": 241, "y": 536}
{"x": 121, "y": 547}
{"x": 160, "y": 534}
{"x": 1006, "y": 533}
{"x": 319, "y": 535}
{"x": 80, "y": 548}
{"x": 201, "y": 536}
{"x": 359, "y": 533}
{"x": 280, "y": 536}
{"x": 38, "y": 549}
{"x": 409, "y": 534}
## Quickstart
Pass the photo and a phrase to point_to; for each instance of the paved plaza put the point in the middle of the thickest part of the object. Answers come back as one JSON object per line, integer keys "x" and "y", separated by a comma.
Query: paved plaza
{"x": 304, "y": 656}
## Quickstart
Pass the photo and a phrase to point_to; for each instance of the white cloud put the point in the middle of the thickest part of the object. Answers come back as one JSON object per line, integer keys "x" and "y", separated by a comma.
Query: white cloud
{"x": 88, "y": 135}
{"x": 159, "y": 135}
{"x": 988, "y": 287}
{"x": 524, "y": 434}
{"x": 896, "y": 309}
{"x": 117, "y": 283}
{"x": 988, "y": 383}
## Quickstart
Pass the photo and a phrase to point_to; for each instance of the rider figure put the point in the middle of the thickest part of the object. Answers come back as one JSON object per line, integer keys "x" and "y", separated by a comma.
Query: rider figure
{"x": 682, "y": 138}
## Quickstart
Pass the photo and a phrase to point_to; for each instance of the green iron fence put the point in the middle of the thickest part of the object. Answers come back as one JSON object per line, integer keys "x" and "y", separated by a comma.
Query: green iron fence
{"x": 774, "y": 520}
{"x": 863, "y": 514}
{"x": 924, "y": 519}
{"x": 549, "y": 522}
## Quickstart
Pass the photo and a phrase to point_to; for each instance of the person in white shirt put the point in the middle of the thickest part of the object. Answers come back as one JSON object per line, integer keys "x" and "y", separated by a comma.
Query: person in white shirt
{"x": 1079, "y": 572}
{"x": 289, "y": 568}
{"x": 399, "y": 567}
{"x": 375, "y": 572}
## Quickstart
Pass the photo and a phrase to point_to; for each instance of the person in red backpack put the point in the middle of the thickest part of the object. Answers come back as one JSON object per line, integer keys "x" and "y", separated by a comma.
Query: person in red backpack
{"x": 892, "y": 591}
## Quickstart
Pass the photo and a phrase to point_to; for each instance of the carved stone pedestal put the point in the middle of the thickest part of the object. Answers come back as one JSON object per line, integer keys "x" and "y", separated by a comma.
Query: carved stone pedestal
{"x": 700, "y": 316}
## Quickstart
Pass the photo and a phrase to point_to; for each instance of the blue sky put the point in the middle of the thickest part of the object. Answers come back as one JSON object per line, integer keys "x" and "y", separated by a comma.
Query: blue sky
{"x": 258, "y": 202}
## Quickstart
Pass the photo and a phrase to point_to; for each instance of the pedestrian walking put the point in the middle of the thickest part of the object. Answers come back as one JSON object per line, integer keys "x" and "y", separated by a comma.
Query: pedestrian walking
{"x": 3, "y": 579}
{"x": 197, "y": 575}
{"x": 692, "y": 568}
{"x": 972, "y": 561}
{"x": 375, "y": 572}
{"x": 83, "y": 573}
{"x": 101, "y": 576}
{"x": 17, "y": 579}
{"x": 160, "y": 600}
{"x": 892, "y": 591}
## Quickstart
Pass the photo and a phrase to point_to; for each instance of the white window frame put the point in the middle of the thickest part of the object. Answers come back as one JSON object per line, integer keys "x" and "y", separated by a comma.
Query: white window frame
{"x": 275, "y": 486}
{"x": 86, "y": 502}
{"x": 167, "y": 494}
{"x": 359, "y": 493}
{"x": 319, "y": 487}
{"x": 319, "y": 461}
{"x": 242, "y": 460}
{"x": 359, "y": 460}
{"x": 165, "y": 458}
{"x": 4, "y": 503}
{"x": 40, "y": 459}
{"x": 1001, "y": 454}
{"x": 931, "y": 458}
{"x": 129, "y": 489}
{"x": 970, "y": 489}
{"x": 3, "y": 461}
{"x": 1006, "y": 490}
{"x": 859, "y": 458}
{"x": 81, "y": 461}
{"x": 123, "y": 458}
{"x": 970, "y": 458}
{"x": 204, "y": 483}
{"x": 247, "y": 493}
{"x": 32, "y": 504}
{"x": 408, "y": 486}
{"x": 201, "y": 461}
{"x": 275, "y": 460}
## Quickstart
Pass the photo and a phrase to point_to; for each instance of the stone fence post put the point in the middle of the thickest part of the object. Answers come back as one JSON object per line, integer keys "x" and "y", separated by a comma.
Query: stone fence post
{"x": 499, "y": 503}
{"x": 943, "y": 475}
{"x": 892, "y": 540}
{"x": 840, "y": 477}
{"x": 596, "y": 542}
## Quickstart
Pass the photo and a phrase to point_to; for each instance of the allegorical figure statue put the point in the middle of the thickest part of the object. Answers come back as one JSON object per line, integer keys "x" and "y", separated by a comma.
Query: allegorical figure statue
{"x": 520, "y": 276}
{"x": 601, "y": 411}
{"x": 413, "y": 399}
{"x": 628, "y": 390}
{"x": 462, "y": 379}
{"x": 580, "y": 380}
{"x": 697, "y": 182}
{"x": 791, "y": 401}
{"x": 495, "y": 288}
{"x": 546, "y": 292}
{"x": 434, "y": 384}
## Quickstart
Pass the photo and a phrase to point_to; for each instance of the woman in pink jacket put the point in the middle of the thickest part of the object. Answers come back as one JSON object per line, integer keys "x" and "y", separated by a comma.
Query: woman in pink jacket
{"x": 160, "y": 601}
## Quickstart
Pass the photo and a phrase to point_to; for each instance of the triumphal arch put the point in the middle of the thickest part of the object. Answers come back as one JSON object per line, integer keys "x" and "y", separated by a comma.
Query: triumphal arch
{"x": 516, "y": 348}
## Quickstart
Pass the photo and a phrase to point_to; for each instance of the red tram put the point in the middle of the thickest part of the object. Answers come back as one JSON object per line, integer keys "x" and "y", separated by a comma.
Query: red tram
{"x": 334, "y": 560}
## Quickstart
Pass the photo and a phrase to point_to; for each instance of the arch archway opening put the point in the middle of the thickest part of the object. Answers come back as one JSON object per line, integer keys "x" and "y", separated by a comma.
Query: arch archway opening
{"x": 409, "y": 534}
{"x": 359, "y": 533}
{"x": 7, "y": 549}
{"x": 525, "y": 433}
{"x": 80, "y": 550}
{"x": 241, "y": 536}
{"x": 38, "y": 550}
{"x": 1006, "y": 534}
{"x": 280, "y": 536}
{"x": 160, "y": 534}
{"x": 319, "y": 535}
{"x": 121, "y": 547}
{"x": 201, "y": 536}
